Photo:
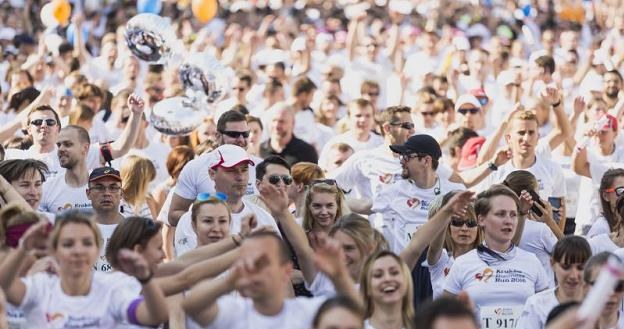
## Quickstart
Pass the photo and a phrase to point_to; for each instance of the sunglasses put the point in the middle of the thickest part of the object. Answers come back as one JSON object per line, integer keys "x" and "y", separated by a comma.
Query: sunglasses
{"x": 331, "y": 182}
{"x": 404, "y": 125}
{"x": 458, "y": 222}
{"x": 239, "y": 88}
{"x": 205, "y": 196}
{"x": 619, "y": 191}
{"x": 235, "y": 134}
{"x": 373, "y": 94}
{"x": 426, "y": 114}
{"x": 465, "y": 111}
{"x": 48, "y": 122}
{"x": 618, "y": 288}
{"x": 275, "y": 179}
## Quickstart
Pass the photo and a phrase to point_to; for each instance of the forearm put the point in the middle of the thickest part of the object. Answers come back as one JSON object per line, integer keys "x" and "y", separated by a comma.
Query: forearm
{"x": 195, "y": 256}
{"x": 9, "y": 280}
{"x": 299, "y": 241}
{"x": 124, "y": 143}
{"x": 205, "y": 296}
{"x": 153, "y": 310}
{"x": 474, "y": 176}
{"x": 10, "y": 195}
{"x": 554, "y": 227}
{"x": 491, "y": 144}
{"x": 421, "y": 238}
{"x": 345, "y": 286}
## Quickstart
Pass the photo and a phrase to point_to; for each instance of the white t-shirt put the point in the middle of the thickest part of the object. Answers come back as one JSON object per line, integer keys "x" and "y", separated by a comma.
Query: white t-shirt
{"x": 348, "y": 138}
{"x": 127, "y": 210}
{"x": 537, "y": 238}
{"x": 237, "y": 312}
{"x": 51, "y": 159}
{"x": 47, "y": 306}
{"x": 600, "y": 226}
{"x": 506, "y": 285}
{"x": 549, "y": 177}
{"x": 405, "y": 208}
{"x": 186, "y": 239}
{"x": 439, "y": 271}
{"x": 57, "y": 196}
{"x": 537, "y": 308}
{"x": 102, "y": 265}
{"x": 194, "y": 178}
{"x": 602, "y": 242}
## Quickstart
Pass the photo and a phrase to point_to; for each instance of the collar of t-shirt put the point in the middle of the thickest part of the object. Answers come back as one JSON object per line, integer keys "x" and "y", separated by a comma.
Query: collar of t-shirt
{"x": 492, "y": 257}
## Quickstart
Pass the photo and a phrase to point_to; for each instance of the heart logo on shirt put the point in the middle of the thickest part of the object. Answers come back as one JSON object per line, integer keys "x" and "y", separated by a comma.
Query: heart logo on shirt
{"x": 485, "y": 275}
{"x": 386, "y": 178}
{"x": 413, "y": 202}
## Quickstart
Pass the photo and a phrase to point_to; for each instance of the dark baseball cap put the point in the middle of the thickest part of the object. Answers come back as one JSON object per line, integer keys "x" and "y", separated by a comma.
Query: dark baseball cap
{"x": 102, "y": 172}
{"x": 421, "y": 144}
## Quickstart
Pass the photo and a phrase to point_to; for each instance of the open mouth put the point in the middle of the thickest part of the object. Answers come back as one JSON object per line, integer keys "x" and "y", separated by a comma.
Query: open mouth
{"x": 390, "y": 289}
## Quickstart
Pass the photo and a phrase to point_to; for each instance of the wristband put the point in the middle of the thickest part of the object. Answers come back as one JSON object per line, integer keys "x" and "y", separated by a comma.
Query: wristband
{"x": 492, "y": 166}
{"x": 146, "y": 280}
{"x": 556, "y": 104}
{"x": 239, "y": 241}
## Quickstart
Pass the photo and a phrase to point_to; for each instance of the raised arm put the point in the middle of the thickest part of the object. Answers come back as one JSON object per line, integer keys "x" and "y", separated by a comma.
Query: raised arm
{"x": 179, "y": 206}
{"x": 10, "y": 195}
{"x": 474, "y": 176}
{"x": 196, "y": 256}
{"x": 126, "y": 140}
{"x": 435, "y": 226}
{"x": 491, "y": 144}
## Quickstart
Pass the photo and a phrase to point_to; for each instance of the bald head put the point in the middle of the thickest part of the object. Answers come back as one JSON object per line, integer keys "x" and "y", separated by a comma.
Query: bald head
{"x": 282, "y": 121}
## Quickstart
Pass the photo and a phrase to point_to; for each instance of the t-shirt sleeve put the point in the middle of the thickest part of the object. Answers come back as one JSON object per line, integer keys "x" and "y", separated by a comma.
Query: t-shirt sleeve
{"x": 529, "y": 318}
{"x": 124, "y": 293}
{"x": 36, "y": 286}
{"x": 382, "y": 201}
{"x": 454, "y": 280}
{"x": 321, "y": 286}
{"x": 186, "y": 187}
{"x": 348, "y": 175}
{"x": 548, "y": 239}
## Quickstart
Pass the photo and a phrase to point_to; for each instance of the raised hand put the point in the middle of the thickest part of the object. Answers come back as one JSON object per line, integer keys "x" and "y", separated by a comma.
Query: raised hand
{"x": 248, "y": 223}
{"x": 329, "y": 257}
{"x": 526, "y": 201}
{"x": 547, "y": 215}
{"x": 550, "y": 95}
{"x": 502, "y": 156}
{"x": 36, "y": 236}
{"x": 132, "y": 263}
{"x": 275, "y": 199}
{"x": 46, "y": 264}
{"x": 459, "y": 202}
{"x": 136, "y": 103}
{"x": 579, "y": 105}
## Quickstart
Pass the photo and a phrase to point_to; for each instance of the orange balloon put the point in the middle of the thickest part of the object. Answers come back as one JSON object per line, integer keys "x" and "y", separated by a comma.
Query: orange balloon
{"x": 204, "y": 10}
{"x": 61, "y": 10}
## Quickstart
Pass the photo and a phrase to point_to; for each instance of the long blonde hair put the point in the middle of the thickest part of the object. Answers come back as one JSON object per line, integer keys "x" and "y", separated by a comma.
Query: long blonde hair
{"x": 136, "y": 174}
{"x": 407, "y": 306}
{"x": 341, "y": 207}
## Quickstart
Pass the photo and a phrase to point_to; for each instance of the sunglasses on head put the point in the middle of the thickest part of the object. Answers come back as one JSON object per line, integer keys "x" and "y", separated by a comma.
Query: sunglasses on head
{"x": 235, "y": 134}
{"x": 275, "y": 179}
{"x": 205, "y": 196}
{"x": 459, "y": 222}
{"x": 473, "y": 110}
{"x": 39, "y": 122}
{"x": 618, "y": 288}
{"x": 619, "y": 191}
{"x": 324, "y": 181}
{"x": 404, "y": 125}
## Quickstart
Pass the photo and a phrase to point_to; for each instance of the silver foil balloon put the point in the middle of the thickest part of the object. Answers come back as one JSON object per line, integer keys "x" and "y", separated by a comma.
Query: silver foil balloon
{"x": 176, "y": 116}
{"x": 150, "y": 38}
{"x": 203, "y": 78}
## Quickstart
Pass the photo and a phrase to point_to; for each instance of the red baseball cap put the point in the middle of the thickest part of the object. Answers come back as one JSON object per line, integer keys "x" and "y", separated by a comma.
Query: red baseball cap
{"x": 470, "y": 152}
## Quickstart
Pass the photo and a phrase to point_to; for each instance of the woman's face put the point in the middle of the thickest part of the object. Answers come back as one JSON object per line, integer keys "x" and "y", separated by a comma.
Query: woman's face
{"x": 77, "y": 249}
{"x": 340, "y": 318}
{"x": 255, "y": 132}
{"x": 205, "y": 131}
{"x": 615, "y": 299}
{"x": 329, "y": 108}
{"x": 353, "y": 256}
{"x": 212, "y": 223}
{"x": 612, "y": 197}
{"x": 569, "y": 276}
{"x": 387, "y": 282}
{"x": 153, "y": 251}
{"x": 466, "y": 234}
{"x": 29, "y": 186}
{"x": 499, "y": 224}
{"x": 323, "y": 207}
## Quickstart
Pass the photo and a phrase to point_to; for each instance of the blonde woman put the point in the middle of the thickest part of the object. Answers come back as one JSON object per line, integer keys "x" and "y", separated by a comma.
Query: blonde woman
{"x": 387, "y": 289}
{"x": 324, "y": 205}
{"x": 136, "y": 175}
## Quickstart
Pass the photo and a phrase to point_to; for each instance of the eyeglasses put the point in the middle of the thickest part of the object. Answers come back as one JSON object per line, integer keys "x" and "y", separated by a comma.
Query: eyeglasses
{"x": 404, "y": 125}
{"x": 472, "y": 111}
{"x": 425, "y": 114}
{"x": 235, "y": 134}
{"x": 103, "y": 188}
{"x": 275, "y": 179}
{"x": 410, "y": 156}
{"x": 618, "y": 288}
{"x": 619, "y": 191}
{"x": 458, "y": 222}
{"x": 205, "y": 196}
{"x": 48, "y": 122}
{"x": 331, "y": 182}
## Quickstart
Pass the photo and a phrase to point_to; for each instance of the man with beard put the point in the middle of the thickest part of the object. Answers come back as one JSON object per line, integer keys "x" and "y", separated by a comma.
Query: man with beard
{"x": 67, "y": 190}
{"x": 612, "y": 84}
{"x": 232, "y": 129}
{"x": 104, "y": 192}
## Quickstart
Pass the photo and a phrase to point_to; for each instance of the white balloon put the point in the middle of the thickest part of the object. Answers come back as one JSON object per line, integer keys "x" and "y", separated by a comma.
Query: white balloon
{"x": 47, "y": 16}
{"x": 177, "y": 116}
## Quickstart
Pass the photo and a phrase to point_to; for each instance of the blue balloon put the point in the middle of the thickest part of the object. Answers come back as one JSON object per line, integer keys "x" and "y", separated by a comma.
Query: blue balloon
{"x": 526, "y": 10}
{"x": 71, "y": 32}
{"x": 149, "y": 6}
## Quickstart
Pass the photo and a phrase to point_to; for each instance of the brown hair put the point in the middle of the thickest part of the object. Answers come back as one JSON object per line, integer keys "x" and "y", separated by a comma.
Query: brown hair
{"x": 305, "y": 172}
{"x": 15, "y": 169}
{"x": 177, "y": 159}
{"x": 606, "y": 182}
{"x": 212, "y": 201}
{"x": 136, "y": 174}
{"x": 74, "y": 216}
{"x": 81, "y": 113}
{"x": 359, "y": 103}
{"x": 132, "y": 231}
{"x": 45, "y": 108}
{"x": 308, "y": 219}
{"x": 483, "y": 205}
{"x": 359, "y": 229}
{"x": 86, "y": 90}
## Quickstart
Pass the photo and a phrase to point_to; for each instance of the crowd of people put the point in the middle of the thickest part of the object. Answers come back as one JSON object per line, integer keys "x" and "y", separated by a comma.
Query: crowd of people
{"x": 399, "y": 164}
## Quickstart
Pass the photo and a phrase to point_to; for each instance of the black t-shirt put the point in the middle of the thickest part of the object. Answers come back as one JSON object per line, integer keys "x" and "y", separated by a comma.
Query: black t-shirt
{"x": 295, "y": 151}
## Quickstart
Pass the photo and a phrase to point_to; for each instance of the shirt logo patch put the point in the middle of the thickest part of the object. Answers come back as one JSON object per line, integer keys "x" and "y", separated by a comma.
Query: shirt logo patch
{"x": 413, "y": 202}
{"x": 386, "y": 178}
{"x": 485, "y": 275}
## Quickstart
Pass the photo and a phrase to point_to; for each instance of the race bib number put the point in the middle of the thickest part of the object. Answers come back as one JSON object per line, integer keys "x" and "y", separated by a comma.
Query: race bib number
{"x": 500, "y": 317}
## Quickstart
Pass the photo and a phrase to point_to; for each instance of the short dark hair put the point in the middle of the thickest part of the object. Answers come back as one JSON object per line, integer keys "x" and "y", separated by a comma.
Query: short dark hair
{"x": 15, "y": 169}
{"x": 284, "y": 253}
{"x": 571, "y": 249}
{"x": 83, "y": 134}
{"x": 391, "y": 113}
{"x": 303, "y": 85}
{"x": 338, "y": 301}
{"x": 546, "y": 62}
{"x": 272, "y": 159}
{"x": 595, "y": 261}
{"x": 229, "y": 116}
{"x": 458, "y": 137}
{"x": 443, "y": 307}
{"x": 130, "y": 232}
{"x": 246, "y": 77}
{"x": 559, "y": 310}
{"x": 251, "y": 118}
{"x": 616, "y": 73}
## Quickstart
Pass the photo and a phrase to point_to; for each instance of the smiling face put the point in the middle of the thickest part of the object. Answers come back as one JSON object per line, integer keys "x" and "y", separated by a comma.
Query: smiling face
{"x": 387, "y": 281}
{"x": 323, "y": 208}
{"x": 499, "y": 224}
{"x": 43, "y": 134}
{"x": 29, "y": 186}
{"x": 212, "y": 223}
{"x": 77, "y": 249}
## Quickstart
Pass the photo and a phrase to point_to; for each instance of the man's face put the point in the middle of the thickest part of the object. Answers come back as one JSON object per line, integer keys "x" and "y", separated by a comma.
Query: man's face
{"x": 155, "y": 92}
{"x": 105, "y": 194}
{"x": 70, "y": 150}
{"x": 131, "y": 68}
{"x": 361, "y": 118}
{"x": 275, "y": 173}
{"x": 270, "y": 271}
{"x": 282, "y": 125}
{"x": 612, "y": 85}
{"x": 336, "y": 159}
{"x": 470, "y": 117}
{"x": 240, "y": 89}
{"x": 399, "y": 128}
{"x": 231, "y": 181}
{"x": 40, "y": 131}
{"x": 371, "y": 94}
{"x": 522, "y": 137}
{"x": 233, "y": 134}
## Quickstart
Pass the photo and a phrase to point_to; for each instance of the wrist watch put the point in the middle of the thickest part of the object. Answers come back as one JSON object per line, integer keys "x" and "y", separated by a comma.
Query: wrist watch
{"x": 492, "y": 166}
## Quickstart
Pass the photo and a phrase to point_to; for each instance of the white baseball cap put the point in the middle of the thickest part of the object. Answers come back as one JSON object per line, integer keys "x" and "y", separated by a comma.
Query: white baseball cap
{"x": 467, "y": 99}
{"x": 228, "y": 156}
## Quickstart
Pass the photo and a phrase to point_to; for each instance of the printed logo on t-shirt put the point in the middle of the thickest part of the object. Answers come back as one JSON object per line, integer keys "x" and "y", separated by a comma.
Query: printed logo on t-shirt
{"x": 59, "y": 320}
{"x": 413, "y": 202}
{"x": 70, "y": 206}
{"x": 485, "y": 275}
{"x": 386, "y": 178}
{"x": 446, "y": 271}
